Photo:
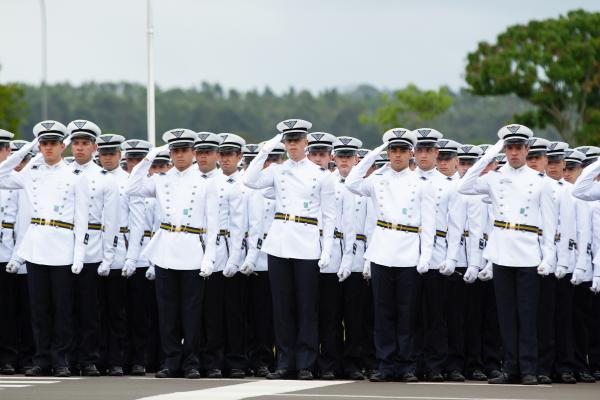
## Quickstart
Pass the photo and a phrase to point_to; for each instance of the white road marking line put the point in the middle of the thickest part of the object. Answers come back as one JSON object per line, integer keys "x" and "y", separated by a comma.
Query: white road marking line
{"x": 40, "y": 377}
{"x": 246, "y": 390}
{"x": 26, "y": 381}
{"x": 14, "y": 386}
{"x": 357, "y": 396}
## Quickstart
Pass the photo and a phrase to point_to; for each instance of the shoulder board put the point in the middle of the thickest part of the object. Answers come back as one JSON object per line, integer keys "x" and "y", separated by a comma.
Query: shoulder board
{"x": 76, "y": 171}
{"x": 162, "y": 173}
{"x": 541, "y": 174}
{"x": 322, "y": 169}
{"x": 34, "y": 166}
{"x": 560, "y": 183}
{"x": 378, "y": 173}
{"x": 423, "y": 178}
{"x": 104, "y": 172}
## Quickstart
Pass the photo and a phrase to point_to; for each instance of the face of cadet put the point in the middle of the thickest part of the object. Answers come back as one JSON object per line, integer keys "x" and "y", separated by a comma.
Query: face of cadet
{"x": 516, "y": 154}
{"x": 295, "y": 148}
{"x": 110, "y": 160}
{"x": 571, "y": 173}
{"x": 82, "y": 149}
{"x": 4, "y": 152}
{"x": 345, "y": 163}
{"x": 229, "y": 161}
{"x": 51, "y": 150}
{"x": 321, "y": 158}
{"x": 207, "y": 160}
{"x": 159, "y": 168}
{"x": 447, "y": 166}
{"x": 272, "y": 160}
{"x": 426, "y": 157}
{"x": 132, "y": 162}
{"x": 182, "y": 157}
{"x": 464, "y": 165}
{"x": 537, "y": 162}
{"x": 490, "y": 167}
{"x": 555, "y": 169}
{"x": 399, "y": 157}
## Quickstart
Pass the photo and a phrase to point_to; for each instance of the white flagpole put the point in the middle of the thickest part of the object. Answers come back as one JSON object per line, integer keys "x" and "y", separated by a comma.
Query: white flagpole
{"x": 150, "y": 86}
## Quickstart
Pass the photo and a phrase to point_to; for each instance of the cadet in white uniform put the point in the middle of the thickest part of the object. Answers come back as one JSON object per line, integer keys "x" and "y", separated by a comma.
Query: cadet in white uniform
{"x": 524, "y": 211}
{"x": 224, "y": 306}
{"x": 54, "y": 244}
{"x": 141, "y": 296}
{"x": 566, "y": 240}
{"x": 434, "y": 336}
{"x": 260, "y": 213}
{"x": 303, "y": 194}
{"x": 102, "y": 232}
{"x": 113, "y": 289}
{"x": 401, "y": 245}
{"x": 177, "y": 250}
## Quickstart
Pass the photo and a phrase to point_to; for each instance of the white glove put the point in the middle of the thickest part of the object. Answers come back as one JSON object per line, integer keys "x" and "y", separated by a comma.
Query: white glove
{"x": 367, "y": 269}
{"x": 471, "y": 274}
{"x": 104, "y": 269}
{"x": 343, "y": 273}
{"x": 13, "y": 266}
{"x": 494, "y": 150}
{"x": 447, "y": 267}
{"x": 487, "y": 273}
{"x": 422, "y": 267}
{"x": 230, "y": 270}
{"x": 247, "y": 268}
{"x": 577, "y": 278}
{"x": 560, "y": 272}
{"x": 207, "y": 268}
{"x": 154, "y": 151}
{"x": 324, "y": 260}
{"x": 595, "y": 284}
{"x": 271, "y": 143}
{"x": 76, "y": 268}
{"x": 544, "y": 268}
{"x": 128, "y": 268}
{"x": 151, "y": 273}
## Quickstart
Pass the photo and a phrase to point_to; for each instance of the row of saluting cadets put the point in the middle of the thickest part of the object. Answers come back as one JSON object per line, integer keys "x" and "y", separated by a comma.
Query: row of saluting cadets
{"x": 421, "y": 259}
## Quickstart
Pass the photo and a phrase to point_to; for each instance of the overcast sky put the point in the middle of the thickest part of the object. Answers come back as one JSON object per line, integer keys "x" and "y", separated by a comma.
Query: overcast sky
{"x": 244, "y": 44}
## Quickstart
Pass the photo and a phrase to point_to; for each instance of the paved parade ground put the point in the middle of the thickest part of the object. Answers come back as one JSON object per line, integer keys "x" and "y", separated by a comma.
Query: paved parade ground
{"x": 18, "y": 387}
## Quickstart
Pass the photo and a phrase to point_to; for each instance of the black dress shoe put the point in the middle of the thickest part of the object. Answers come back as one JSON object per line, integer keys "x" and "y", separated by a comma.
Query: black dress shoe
{"x": 596, "y": 374}
{"x": 214, "y": 373}
{"x": 494, "y": 374}
{"x": 261, "y": 372}
{"x": 7, "y": 369}
{"x": 36, "y": 370}
{"x": 478, "y": 375}
{"x": 567, "y": 377}
{"x": 585, "y": 377}
{"x": 90, "y": 370}
{"x": 544, "y": 380}
{"x": 163, "y": 373}
{"x": 377, "y": 376}
{"x": 356, "y": 375}
{"x": 434, "y": 377}
{"x": 409, "y": 377}
{"x": 499, "y": 380}
{"x": 278, "y": 374}
{"x": 327, "y": 375}
{"x": 529, "y": 380}
{"x": 191, "y": 374}
{"x": 115, "y": 371}
{"x": 138, "y": 370}
{"x": 62, "y": 372}
{"x": 237, "y": 374}
{"x": 305, "y": 375}
{"x": 455, "y": 376}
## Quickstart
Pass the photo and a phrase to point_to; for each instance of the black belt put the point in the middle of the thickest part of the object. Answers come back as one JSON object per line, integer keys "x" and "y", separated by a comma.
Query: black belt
{"x": 182, "y": 228}
{"x": 465, "y": 234}
{"x": 224, "y": 232}
{"x": 123, "y": 229}
{"x": 338, "y": 235}
{"x": 8, "y": 225}
{"x": 557, "y": 238}
{"x": 361, "y": 236}
{"x": 441, "y": 234}
{"x": 296, "y": 218}
{"x": 95, "y": 227}
{"x": 399, "y": 227}
{"x": 52, "y": 222}
{"x": 148, "y": 233}
{"x": 517, "y": 227}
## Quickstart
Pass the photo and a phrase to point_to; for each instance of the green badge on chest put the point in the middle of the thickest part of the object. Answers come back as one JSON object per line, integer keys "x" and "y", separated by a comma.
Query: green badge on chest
{"x": 522, "y": 210}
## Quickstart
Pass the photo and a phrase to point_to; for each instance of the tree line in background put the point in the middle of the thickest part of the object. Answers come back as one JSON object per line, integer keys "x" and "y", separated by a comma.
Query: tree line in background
{"x": 545, "y": 74}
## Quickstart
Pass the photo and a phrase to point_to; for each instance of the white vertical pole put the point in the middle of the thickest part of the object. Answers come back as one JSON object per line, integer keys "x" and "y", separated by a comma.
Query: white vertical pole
{"x": 150, "y": 86}
{"x": 44, "y": 89}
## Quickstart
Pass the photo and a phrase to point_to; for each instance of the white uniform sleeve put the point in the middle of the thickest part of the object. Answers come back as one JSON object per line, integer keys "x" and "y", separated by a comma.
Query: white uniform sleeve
{"x": 139, "y": 184}
{"x": 427, "y": 233}
{"x": 327, "y": 195}
{"x": 349, "y": 229}
{"x": 457, "y": 219}
{"x": 237, "y": 227}
{"x": 586, "y": 187}
{"x": 356, "y": 181}
{"x": 254, "y": 207}
{"x": 549, "y": 223}
{"x": 476, "y": 215}
{"x": 80, "y": 220}
{"x": 136, "y": 227}
{"x": 110, "y": 220}
{"x": 567, "y": 228}
{"x": 212, "y": 220}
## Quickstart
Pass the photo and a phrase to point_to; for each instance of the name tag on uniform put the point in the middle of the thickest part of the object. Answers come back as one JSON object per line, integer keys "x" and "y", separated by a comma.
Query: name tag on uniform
{"x": 306, "y": 204}
{"x": 522, "y": 210}
{"x": 404, "y": 211}
{"x": 505, "y": 180}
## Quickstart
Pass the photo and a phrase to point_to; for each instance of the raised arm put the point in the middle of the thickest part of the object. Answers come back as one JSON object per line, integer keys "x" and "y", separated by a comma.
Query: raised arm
{"x": 356, "y": 181}
{"x": 257, "y": 177}
{"x": 470, "y": 183}
{"x": 586, "y": 187}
